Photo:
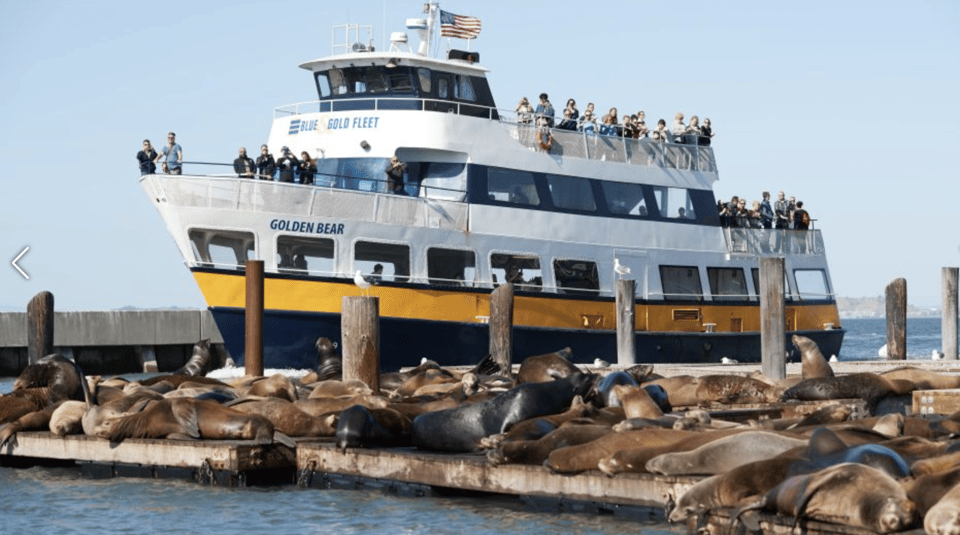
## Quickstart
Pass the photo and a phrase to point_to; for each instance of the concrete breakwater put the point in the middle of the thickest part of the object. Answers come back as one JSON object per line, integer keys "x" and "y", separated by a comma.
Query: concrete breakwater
{"x": 113, "y": 342}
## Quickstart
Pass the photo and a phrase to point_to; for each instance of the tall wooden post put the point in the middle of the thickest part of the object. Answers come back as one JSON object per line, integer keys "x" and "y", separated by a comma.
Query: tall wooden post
{"x": 897, "y": 319}
{"x": 39, "y": 327}
{"x": 773, "y": 340}
{"x": 626, "y": 322}
{"x": 253, "y": 348}
{"x": 501, "y": 327}
{"x": 360, "y": 334}
{"x": 948, "y": 307}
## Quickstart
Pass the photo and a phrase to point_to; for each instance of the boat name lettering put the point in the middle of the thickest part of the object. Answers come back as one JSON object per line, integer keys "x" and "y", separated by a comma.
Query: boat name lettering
{"x": 298, "y": 125}
{"x": 344, "y": 123}
{"x": 306, "y": 227}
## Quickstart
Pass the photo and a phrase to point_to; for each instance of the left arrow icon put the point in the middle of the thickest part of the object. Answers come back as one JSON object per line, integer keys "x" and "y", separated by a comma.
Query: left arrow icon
{"x": 14, "y": 263}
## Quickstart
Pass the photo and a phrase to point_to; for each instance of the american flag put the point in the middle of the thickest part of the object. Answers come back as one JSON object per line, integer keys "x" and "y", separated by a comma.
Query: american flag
{"x": 459, "y": 26}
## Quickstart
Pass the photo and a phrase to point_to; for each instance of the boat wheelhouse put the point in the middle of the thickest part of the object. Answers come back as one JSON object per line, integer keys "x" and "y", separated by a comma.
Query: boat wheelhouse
{"x": 485, "y": 201}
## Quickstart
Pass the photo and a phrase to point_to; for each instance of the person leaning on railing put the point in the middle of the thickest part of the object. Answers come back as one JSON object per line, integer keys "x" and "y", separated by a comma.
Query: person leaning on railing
{"x": 266, "y": 166}
{"x": 172, "y": 154}
{"x": 307, "y": 168}
{"x": 146, "y": 157}
{"x": 244, "y": 165}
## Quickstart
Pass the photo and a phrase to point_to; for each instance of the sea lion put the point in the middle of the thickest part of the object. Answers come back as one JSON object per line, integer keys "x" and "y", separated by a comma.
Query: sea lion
{"x": 583, "y": 457}
{"x": 359, "y": 427}
{"x": 537, "y": 451}
{"x": 51, "y": 379}
{"x": 546, "y": 367}
{"x": 923, "y": 379}
{"x": 869, "y": 387}
{"x": 636, "y": 402}
{"x": 535, "y": 428}
{"x": 286, "y": 417}
{"x": 730, "y": 389}
{"x": 724, "y": 453}
{"x": 812, "y": 363}
{"x": 33, "y": 420}
{"x": 605, "y": 387}
{"x": 187, "y": 418}
{"x": 201, "y": 362}
{"x": 428, "y": 377}
{"x": 462, "y": 428}
{"x": 335, "y": 388}
{"x": 940, "y": 463}
{"x": 323, "y": 406}
{"x": 329, "y": 363}
{"x": 175, "y": 380}
{"x": 826, "y": 448}
{"x": 944, "y": 517}
{"x": 67, "y": 418}
{"x": 659, "y": 396}
{"x": 276, "y": 386}
{"x": 391, "y": 381}
{"x": 849, "y": 494}
{"x": 928, "y": 489}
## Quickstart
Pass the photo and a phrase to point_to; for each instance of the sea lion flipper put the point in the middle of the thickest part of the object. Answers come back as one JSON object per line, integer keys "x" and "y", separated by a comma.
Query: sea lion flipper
{"x": 748, "y": 515}
{"x": 186, "y": 416}
{"x": 281, "y": 438}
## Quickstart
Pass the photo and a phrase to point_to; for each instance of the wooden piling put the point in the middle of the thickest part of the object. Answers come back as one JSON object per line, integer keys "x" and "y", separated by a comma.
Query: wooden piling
{"x": 948, "y": 302}
{"x": 501, "y": 326}
{"x": 253, "y": 349}
{"x": 773, "y": 341}
{"x": 360, "y": 332}
{"x": 897, "y": 319}
{"x": 39, "y": 327}
{"x": 626, "y": 320}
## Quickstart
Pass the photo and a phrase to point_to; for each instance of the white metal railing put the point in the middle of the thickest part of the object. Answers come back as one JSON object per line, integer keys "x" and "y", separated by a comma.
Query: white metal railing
{"x": 774, "y": 241}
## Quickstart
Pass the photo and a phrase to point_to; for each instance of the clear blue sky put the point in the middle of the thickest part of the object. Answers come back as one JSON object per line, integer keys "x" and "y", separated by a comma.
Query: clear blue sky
{"x": 851, "y": 107}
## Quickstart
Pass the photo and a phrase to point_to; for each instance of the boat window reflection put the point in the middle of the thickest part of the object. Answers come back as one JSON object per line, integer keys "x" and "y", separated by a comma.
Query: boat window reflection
{"x": 572, "y": 193}
{"x": 727, "y": 284}
{"x": 509, "y": 185}
{"x": 520, "y": 269}
{"x": 681, "y": 283}
{"x": 576, "y": 277}
{"x": 300, "y": 255}
{"x": 393, "y": 259}
{"x": 220, "y": 248}
{"x": 811, "y": 284}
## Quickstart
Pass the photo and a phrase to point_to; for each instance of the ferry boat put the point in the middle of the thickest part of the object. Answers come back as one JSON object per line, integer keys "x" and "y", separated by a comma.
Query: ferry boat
{"x": 484, "y": 201}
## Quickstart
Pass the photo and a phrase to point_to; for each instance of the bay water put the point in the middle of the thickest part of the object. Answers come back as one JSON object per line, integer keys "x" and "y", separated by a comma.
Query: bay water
{"x": 63, "y": 500}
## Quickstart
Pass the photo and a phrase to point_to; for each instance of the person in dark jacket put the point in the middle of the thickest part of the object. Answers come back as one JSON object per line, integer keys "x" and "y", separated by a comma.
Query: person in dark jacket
{"x": 307, "y": 168}
{"x": 287, "y": 164}
{"x": 146, "y": 157}
{"x": 244, "y": 165}
{"x": 266, "y": 166}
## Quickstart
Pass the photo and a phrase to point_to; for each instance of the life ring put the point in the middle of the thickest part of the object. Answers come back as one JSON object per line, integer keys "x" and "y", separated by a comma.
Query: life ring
{"x": 545, "y": 144}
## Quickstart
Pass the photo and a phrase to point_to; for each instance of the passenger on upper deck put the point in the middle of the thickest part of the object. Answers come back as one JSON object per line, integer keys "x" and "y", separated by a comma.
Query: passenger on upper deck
{"x": 572, "y": 107}
{"x": 307, "y": 168}
{"x": 660, "y": 134}
{"x": 287, "y": 164}
{"x": 243, "y": 165}
{"x": 782, "y": 211}
{"x": 588, "y": 123}
{"x": 640, "y": 122}
{"x": 146, "y": 157}
{"x": 395, "y": 170}
{"x": 801, "y": 219}
{"x": 705, "y": 130}
{"x": 173, "y": 155}
{"x": 265, "y": 164}
{"x": 544, "y": 135}
{"x": 545, "y": 110}
{"x": 568, "y": 123}
{"x": 694, "y": 126}
{"x": 766, "y": 211}
{"x": 524, "y": 111}
{"x": 611, "y": 124}
{"x": 678, "y": 128}
{"x": 628, "y": 129}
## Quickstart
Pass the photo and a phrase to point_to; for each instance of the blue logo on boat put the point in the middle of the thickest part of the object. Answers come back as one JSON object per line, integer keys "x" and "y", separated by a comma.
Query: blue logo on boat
{"x": 298, "y": 125}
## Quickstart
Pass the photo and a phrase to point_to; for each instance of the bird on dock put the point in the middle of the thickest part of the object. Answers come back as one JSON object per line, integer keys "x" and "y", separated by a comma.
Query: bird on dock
{"x": 620, "y": 268}
{"x": 362, "y": 282}
{"x": 728, "y": 360}
{"x": 936, "y": 355}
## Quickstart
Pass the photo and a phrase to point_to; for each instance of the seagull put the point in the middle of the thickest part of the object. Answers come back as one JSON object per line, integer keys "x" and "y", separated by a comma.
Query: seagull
{"x": 361, "y": 282}
{"x": 727, "y": 360}
{"x": 620, "y": 268}
{"x": 833, "y": 358}
{"x": 937, "y": 355}
{"x": 600, "y": 363}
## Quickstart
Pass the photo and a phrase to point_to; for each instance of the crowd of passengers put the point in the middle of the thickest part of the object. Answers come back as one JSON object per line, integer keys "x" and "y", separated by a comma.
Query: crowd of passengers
{"x": 782, "y": 214}
{"x": 633, "y": 126}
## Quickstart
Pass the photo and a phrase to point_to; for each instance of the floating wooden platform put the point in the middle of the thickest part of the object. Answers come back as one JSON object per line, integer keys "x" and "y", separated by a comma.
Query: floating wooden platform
{"x": 216, "y": 462}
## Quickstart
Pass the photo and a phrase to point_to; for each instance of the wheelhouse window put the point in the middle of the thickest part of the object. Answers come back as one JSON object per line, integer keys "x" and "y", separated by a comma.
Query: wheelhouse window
{"x": 386, "y": 261}
{"x": 222, "y": 248}
{"x": 624, "y": 199}
{"x": 674, "y": 203}
{"x": 424, "y": 75}
{"x": 576, "y": 276}
{"x": 296, "y": 254}
{"x": 451, "y": 267}
{"x": 364, "y": 80}
{"x": 571, "y": 193}
{"x": 681, "y": 283}
{"x": 727, "y": 284}
{"x": 522, "y": 270}
{"x": 463, "y": 89}
{"x": 512, "y": 186}
{"x": 812, "y": 284}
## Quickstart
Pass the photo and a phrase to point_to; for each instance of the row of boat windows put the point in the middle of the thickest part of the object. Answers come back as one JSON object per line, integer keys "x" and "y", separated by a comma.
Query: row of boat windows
{"x": 401, "y": 81}
{"x": 390, "y": 262}
{"x": 495, "y": 185}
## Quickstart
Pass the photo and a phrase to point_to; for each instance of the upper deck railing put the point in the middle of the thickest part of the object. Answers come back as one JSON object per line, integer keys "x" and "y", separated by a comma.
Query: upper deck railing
{"x": 774, "y": 241}
{"x": 576, "y": 144}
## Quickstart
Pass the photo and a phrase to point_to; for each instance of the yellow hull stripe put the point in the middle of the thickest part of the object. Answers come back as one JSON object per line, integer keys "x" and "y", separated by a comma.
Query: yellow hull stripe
{"x": 229, "y": 290}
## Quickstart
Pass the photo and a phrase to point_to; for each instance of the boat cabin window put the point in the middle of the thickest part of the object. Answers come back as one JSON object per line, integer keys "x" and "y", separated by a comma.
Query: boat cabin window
{"x": 576, "y": 277}
{"x": 362, "y": 174}
{"x": 681, "y": 283}
{"x": 624, "y": 199}
{"x": 222, "y": 248}
{"x": 755, "y": 273}
{"x": 522, "y": 270}
{"x": 364, "y": 80}
{"x": 424, "y": 75}
{"x": 811, "y": 284}
{"x": 451, "y": 267}
{"x": 438, "y": 180}
{"x": 727, "y": 284}
{"x": 463, "y": 89}
{"x": 572, "y": 193}
{"x": 297, "y": 254}
{"x": 508, "y": 185}
{"x": 443, "y": 87}
{"x": 393, "y": 260}
{"x": 674, "y": 203}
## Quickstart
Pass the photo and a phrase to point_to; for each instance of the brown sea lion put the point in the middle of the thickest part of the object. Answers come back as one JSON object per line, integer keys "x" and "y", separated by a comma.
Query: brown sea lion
{"x": 359, "y": 427}
{"x": 812, "y": 363}
{"x": 636, "y": 402}
{"x": 187, "y": 418}
{"x": 67, "y": 418}
{"x": 729, "y": 389}
{"x": 634, "y": 459}
{"x": 724, "y": 453}
{"x": 943, "y": 518}
{"x": 537, "y": 451}
{"x": 33, "y": 420}
{"x": 323, "y": 406}
{"x": 583, "y": 457}
{"x": 287, "y": 417}
{"x": 928, "y": 489}
{"x": 546, "y": 367}
{"x": 869, "y": 387}
{"x": 203, "y": 360}
{"x": 535, "y": 428}
{"x": 51, "y": 379}
{"x": 850, "y": 494}
{"x": 932, "y": 465}
{"x": 334, "y": 388}
{"x": 428, "y": 377}
{"x": 276, "y": 386}
{"x": 923, "y": 379}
